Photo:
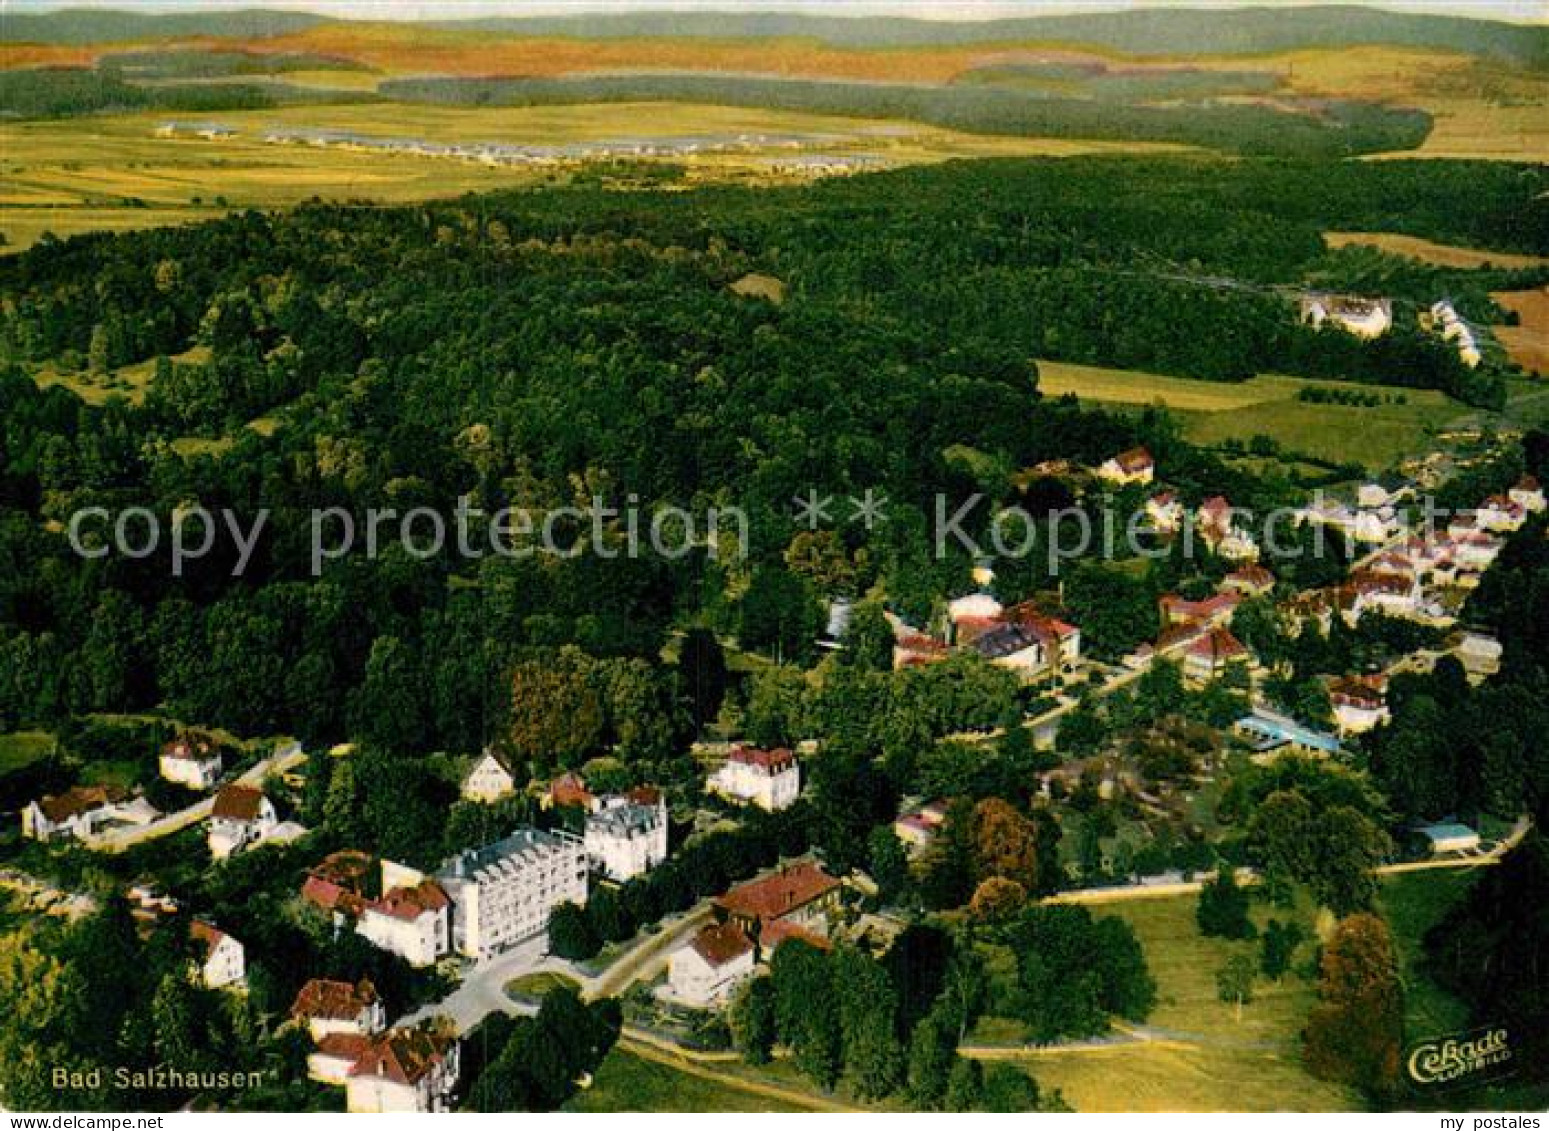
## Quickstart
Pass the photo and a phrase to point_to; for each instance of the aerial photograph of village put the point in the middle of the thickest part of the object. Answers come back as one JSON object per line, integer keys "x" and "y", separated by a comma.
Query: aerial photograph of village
{"x": 866, "y": 556}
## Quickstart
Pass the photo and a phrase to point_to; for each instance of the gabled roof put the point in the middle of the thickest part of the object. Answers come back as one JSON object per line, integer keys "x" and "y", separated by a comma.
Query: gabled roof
{"x": 207, "y": 935}
{"x": 570, "y": 789}
{"x": 404, "y": 1056}
{"x": 1133, "y": 460}
{"x": 238, "y": 803}
{"x": 408, "y": 904}
{"x": 325, "y": 1000}
{"x": 192, "y": 746}
{"x": 500, "y": 757}
{"x": 1216, "y": 645}
{"x": 772, "y": 760}
{"x": 77, "y": 800}
{"x": 344, "y": 1046}
{"x": 782, "y": 930}
{"x": 789, "y": 889}
{"x": 720, "y": 943}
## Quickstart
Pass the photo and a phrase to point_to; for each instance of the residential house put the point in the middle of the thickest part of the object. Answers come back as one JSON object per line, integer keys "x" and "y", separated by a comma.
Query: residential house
{"x": 75, "y": 813}
{"x": 193, "y": 759}
{"x": 1132, "y": 466}
{"x": 222, "y": 959}
{"x": 1363, "y": 317}
{"x": 918, "y": 827}
{"x": 1214, "y": 611}
{"x": 491, "y": 778}
{"x": 1164, "y": 513}
{"x": 1527, "y": 494}
{"x": 707, "y": 970}
{"x": 1249, "y": 581}
{"x": 1212, "y": 654}
{"x": 412, "y": 921}
{"x": 404, "y": 1070}
{"x": 1059, "y": 642}
{"x": 1217, "y": 523}
{"x": 801, "y": 893}
{"x": 1500, "y": 513}
{"x": 770, "y": 779}
{"x": 242, "y": 817}
{"x": 627, "y": 836}
{"x": 1479, "y": 653}
{"x": 569, "y": 790}
{"x": 973, "y": 613}
{"x": 326, "y": 1007}
{"x": 341, "y": 884}
{"x": 502, "y": 894}
{"x": 1360, "y": 703}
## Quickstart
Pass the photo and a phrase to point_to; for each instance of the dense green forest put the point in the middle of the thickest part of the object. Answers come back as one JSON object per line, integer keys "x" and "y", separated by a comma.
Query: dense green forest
{"x": 542, "y": 348}
{"x": 63, "y": 92}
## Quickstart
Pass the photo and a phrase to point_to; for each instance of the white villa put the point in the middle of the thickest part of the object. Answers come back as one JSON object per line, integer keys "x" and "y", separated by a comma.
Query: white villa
{"x": 770, "y": 779}
{"x": 411, "y": 921}
{"x": 502, "y": 893}
{"x": 1133, "y": 466}
{"x": 628, "y": 835}
{"x": 192, "y": 759}
{"x": 224, "y": 959}
{"x": 707, "y": 970}
{"x": 82, "y": 811}
{"x": 242, "y": 816}
{"x": 405, "y": 1070}
{"x": 328, "y": 1007}
{"x": 490, "y": 779}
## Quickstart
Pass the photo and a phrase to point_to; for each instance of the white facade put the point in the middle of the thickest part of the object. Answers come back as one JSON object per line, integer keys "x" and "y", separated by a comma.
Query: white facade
{"x": 502, "y": 894}
{"x": 225, "y": 962}
{"x": 414, "y": 923}
{"x": 709, "y": 969}
{"x": 770, "y": 779}
{"x": 626, "y": 838}
{"x": 239, "y": 820}
{"x": 193, "y": 769}
{"x": 404, "y": 1071}
{"x": 489, "y": 780}
{"x": 330, "y": 1008}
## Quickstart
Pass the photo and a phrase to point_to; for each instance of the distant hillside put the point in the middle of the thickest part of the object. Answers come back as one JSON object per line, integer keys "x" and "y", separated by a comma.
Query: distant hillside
{"x": 92, "y": 25}
{"x": 1179, "y": 31}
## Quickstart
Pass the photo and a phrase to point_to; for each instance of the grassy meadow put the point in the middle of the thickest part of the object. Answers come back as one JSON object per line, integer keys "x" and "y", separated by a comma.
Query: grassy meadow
{"x": 23, "y": 748}
{"x": 1214, "y": 411}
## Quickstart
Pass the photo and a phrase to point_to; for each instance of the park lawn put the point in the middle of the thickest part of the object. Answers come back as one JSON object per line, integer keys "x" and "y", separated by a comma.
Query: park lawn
{"x": 628, "y": 1082}
{"x": 23, "y": 748}
{"x": 1414, "y": 902}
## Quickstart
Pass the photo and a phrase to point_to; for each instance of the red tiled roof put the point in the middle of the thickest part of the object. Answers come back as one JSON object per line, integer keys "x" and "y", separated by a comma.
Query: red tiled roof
{"x": 238, "y": 803}
{"x": 344, "y": 1046}
{"x": 772, "y": 760}
{"x": 1218, "y": 644}
{"x": 76, "y": 800}
{"x": 773, "y": 896}
{"x": 404, "y": 1056}
{"x": 570, "y": 789}
{"x": 325, "y": 1000}
{"x": 409, "y": 904}
{"x": 645, "y": 795}
{"x": 1136, "y": 459}
{"x": 782, "y": 930}
{"x": 330, "y": 895}
{"x": 1252, "y": 575}
{"x": 208, "y": 935}
{"x": 191, "y": 746}
{"x": 719, "y": 943}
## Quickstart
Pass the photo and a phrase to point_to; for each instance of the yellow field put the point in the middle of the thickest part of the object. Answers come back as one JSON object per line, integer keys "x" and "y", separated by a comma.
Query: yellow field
{"x": 1266, "y": 405}
{"x": 1527, "y": 343}
{"x": 87, "y": 174}
{"x": 1440, "y": 254}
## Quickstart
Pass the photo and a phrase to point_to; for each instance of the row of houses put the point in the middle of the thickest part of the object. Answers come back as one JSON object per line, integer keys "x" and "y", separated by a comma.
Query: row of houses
{"x": 402, "y": 1069}
{"x": 751, "y": 921}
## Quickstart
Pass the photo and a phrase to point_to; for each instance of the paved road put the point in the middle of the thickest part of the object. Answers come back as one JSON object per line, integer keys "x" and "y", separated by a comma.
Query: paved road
{"x": 284, "y": 758}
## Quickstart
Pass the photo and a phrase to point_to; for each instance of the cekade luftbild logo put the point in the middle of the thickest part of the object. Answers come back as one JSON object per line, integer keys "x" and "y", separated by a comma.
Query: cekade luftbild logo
{"x": 1443, "y": 1060}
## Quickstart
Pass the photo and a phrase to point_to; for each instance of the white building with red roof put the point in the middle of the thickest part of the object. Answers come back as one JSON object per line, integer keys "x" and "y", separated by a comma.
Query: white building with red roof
{"x": 1132, "y": 466}
{"x": 193, "y": 759}
{"x": 1212, "y": 654}
{"x": 222, "y": 959}
{"x": 770, "y": 779}
{"x": 405, "y": 1070}
{"x": 1528, "y": 494}
{"x": 411, "y": 921}
{"x": 326, "y": 1006}
{"x": 709, "y": 968}
{"x": 1360, "y": 703}
{"x": 242, "y": 816}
